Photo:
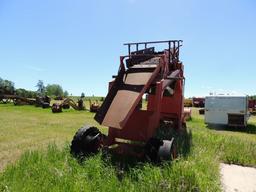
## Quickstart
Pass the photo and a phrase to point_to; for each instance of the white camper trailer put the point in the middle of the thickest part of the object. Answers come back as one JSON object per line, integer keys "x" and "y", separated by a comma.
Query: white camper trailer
{"x": 226, "y": 110}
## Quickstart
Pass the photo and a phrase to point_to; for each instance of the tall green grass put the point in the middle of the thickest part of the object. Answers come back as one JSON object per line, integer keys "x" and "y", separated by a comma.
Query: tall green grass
{"x": 230, "y": 146}
{"x": 56, "y": 170}
{"x": 196, "y": 169}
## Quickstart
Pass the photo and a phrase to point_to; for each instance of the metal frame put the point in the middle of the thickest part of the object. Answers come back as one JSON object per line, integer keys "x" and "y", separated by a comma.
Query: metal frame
{"x": 172, "y": 44}
{"x": 141, "y": 125}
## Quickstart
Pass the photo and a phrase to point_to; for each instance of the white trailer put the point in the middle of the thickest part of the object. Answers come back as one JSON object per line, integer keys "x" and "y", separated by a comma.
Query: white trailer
{"x": 227, "y": 110}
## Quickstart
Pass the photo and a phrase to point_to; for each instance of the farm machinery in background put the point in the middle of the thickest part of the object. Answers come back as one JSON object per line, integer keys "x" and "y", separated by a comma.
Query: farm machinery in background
{"x": 43, "y": 102}
{"x": 188, "y": 103}
{"x": 194, "y": 102}
{"x": 198, "y": 102}
{"x": 159, "y": 75}
{"x": 94, "y": 106}
{"x": 17, "y": 100}
{"x": 252, "y": 106}
{"x": 66, "y": 103}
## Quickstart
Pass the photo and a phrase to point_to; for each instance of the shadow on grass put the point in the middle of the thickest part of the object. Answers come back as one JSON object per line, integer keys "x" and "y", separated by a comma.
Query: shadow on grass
{"x": 184, "y": 141}
{"x": 250, "y": 128}
{"x": 125, "y": 163}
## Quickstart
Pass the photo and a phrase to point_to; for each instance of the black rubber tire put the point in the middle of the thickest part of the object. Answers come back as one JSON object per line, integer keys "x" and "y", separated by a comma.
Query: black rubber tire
{"x": 86, "y": 141}
{"x": 201, "y": 111}
{"x": 151, "y": 149}
{"x": 56, "y": 108}
{"x": 45, "y": 105}
{"x": 66, "y": 106}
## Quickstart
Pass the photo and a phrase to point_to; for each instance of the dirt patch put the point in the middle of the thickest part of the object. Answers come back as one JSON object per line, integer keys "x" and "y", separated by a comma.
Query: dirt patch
{"x": 236, "y": 178}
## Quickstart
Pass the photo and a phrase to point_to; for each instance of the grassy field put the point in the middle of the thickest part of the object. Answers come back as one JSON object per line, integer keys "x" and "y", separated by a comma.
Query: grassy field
{"x": 29, "y": 127}
{"x": 50, "y": 167}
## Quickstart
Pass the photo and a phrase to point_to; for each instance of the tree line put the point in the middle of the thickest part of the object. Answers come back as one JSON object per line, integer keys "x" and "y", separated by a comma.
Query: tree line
{"x": 8, "y": 87}
{"x": 50, "y": 89}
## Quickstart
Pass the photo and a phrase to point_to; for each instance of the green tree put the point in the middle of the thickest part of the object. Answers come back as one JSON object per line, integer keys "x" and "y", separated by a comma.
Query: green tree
{"x": 82, "y": 95}
{"x": 25, "y": 93}
{"x": 1, "y": 86}
{"x": 65, "y": 93}
{"x": 21, "y": 92}
{"x": 40, "y": 87}
{"x": 6, "y": 87}
{"x": 54, "y": 90}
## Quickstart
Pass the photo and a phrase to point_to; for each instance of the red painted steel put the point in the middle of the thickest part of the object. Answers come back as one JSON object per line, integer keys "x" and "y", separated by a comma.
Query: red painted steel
{"x": 198, "y": 101}
{"x": 252, "y": 105}
{"x": 165, "y": 102}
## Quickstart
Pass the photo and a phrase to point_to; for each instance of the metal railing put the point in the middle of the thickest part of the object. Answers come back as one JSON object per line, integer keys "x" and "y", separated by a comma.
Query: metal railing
{"x": 173, "y": 47}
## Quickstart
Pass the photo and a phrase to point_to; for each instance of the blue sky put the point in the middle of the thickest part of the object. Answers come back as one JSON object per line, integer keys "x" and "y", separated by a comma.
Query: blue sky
{"x": 77, "y": 43}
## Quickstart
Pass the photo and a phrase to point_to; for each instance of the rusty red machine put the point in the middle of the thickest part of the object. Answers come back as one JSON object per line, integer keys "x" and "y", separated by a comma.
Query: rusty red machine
{"x": 143, "y": 73}
{"x": 252, "y": 106}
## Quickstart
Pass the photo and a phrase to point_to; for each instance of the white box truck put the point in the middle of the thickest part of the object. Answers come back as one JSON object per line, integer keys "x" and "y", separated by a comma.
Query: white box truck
{"x": 227, "y": 110}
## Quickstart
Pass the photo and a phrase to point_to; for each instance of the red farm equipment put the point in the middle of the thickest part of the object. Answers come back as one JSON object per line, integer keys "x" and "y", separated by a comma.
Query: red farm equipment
{"x": 198, "y": 101}
{"x": 159, "y": 75}
{"x": 252, "y": 106}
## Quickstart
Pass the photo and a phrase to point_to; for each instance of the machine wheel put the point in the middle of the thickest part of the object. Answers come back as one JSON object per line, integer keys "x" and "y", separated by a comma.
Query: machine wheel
{"x": 151, "y": 149}
{"x": 201, "y": 111}
{"x": 45, "y": 105}
{"x": 56, "y": 108}
{"x": 158, "y": 150}
{"x": 65, "y": 106}
{"x": 87, "y": 140}
{"x": 168, "y": 150}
